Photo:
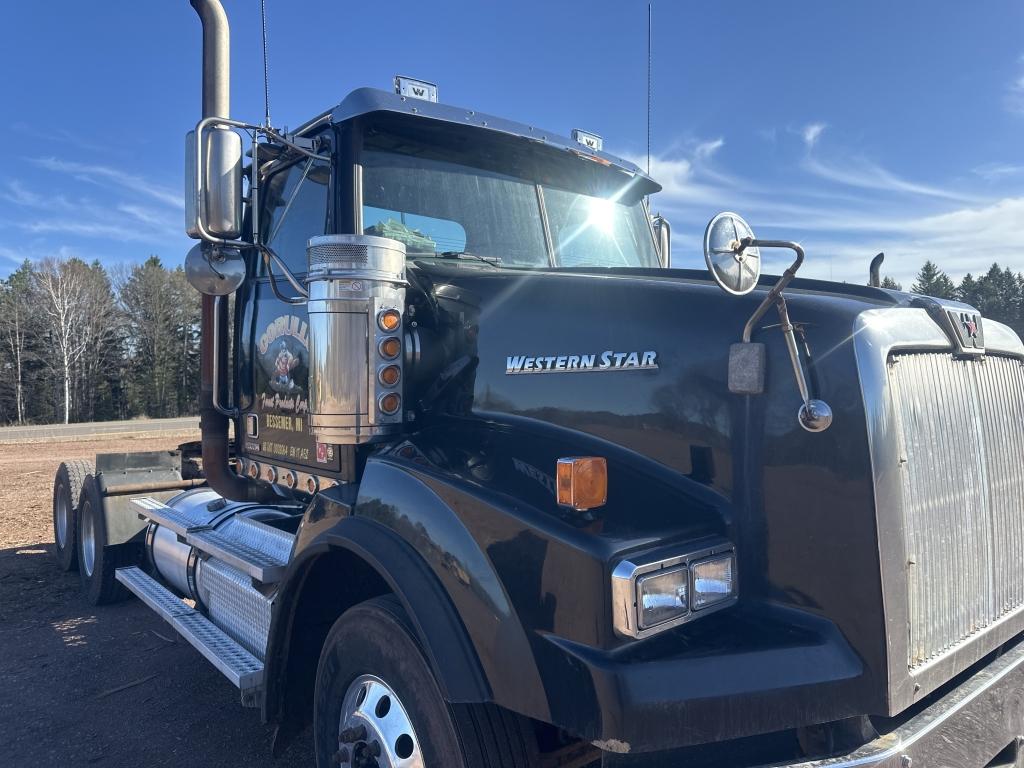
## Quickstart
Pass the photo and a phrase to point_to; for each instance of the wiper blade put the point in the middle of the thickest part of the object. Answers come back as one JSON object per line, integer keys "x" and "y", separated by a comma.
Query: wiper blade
{"x": 493, "y": 261}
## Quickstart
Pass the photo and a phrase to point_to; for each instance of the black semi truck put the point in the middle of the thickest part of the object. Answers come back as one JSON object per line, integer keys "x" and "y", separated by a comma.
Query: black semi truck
{"x": 504, "y": 489}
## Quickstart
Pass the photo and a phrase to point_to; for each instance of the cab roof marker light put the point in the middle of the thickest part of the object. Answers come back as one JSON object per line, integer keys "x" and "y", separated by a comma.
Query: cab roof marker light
{"x": 587, "y": 139}
{"x": 411, "y": 88}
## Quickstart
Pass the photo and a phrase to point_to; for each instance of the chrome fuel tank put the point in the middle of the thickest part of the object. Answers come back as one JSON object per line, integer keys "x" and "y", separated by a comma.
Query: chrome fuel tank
{"x": 227, "y": 595}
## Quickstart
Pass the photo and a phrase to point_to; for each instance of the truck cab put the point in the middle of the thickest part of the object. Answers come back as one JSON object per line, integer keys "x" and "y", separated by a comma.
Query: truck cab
{"x": 506, "y": 489}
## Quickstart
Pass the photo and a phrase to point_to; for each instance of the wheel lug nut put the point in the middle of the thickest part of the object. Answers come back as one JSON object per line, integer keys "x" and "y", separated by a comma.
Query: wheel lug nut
{"x": 375, "y": 748}
{"x": 348, "y": 735}
{"x": 341, "y": 756}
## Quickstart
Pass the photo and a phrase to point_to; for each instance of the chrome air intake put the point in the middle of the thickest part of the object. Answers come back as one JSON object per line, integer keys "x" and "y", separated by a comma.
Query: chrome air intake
{"x": 356, "y": 301}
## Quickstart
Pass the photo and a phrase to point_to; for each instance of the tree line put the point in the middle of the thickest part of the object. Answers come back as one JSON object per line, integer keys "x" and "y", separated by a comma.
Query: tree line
{"x": 79, "y": 342}
{"x": 998, "y": 294}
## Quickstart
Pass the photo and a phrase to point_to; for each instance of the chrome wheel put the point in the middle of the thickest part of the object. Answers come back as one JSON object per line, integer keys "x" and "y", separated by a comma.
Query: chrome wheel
{"x": 375, "y": 730}
{"x": 62, "y": 520}
{"x": 88, "y": 539}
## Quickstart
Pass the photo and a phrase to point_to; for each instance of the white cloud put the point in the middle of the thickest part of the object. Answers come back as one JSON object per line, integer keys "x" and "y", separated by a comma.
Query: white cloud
{"x": 108, "y": 231}
{"x": 1014, "y": 98}
{"x": 867, "y": 175}
{"x": 812, "y": 132}
{"x": 843, "y": 211}
{"x": 997, "y": 171}
{"x": 110, "y": 176}
{"x": 707, "y": 149}
{"x": 17, "y": 193}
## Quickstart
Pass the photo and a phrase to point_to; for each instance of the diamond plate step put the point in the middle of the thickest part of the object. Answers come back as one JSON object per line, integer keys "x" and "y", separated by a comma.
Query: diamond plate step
{"x": 257, "y": 550}
{"x": 234, "y": 662}
{"x": 179, "y": 521}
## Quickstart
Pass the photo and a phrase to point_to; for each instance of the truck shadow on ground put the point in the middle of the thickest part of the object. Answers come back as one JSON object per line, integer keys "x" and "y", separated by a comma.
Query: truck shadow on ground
{"x": 111, "y": 685}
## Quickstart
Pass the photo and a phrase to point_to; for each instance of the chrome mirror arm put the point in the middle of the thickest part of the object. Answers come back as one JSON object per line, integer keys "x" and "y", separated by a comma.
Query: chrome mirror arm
{"x": 779, "y": 287}
{"x": 814, "y": 415}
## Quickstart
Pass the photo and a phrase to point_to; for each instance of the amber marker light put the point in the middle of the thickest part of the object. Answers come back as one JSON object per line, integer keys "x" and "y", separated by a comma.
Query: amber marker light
{"x": 389, "y": 375}
{"x": 390, "y": 403}
{"x": 582, "y": 482}
{"x": 390, "y": 347}
{"x": 389, "y": 320}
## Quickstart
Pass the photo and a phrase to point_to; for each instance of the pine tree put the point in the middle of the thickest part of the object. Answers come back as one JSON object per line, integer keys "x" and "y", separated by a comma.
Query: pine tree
{"x": 932, "y": 281}
{"x": 888, "y": 282}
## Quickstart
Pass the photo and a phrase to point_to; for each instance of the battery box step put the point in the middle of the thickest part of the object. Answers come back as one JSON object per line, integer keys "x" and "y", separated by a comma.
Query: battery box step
{"x": 258, "y": 550}
{"x": 255, "y": 549}
{"x": 181, "y": 521}
{"x": 239, "y": 666}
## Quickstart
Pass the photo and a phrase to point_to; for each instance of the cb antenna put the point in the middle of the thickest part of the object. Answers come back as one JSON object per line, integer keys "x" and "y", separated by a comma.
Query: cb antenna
{"x": 266, "y": 68}
{"x": 649, "y": 88}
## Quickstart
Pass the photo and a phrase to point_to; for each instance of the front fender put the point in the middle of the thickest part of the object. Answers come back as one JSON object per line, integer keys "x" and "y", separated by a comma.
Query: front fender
{"x": 402, "y": 500}
{"x": 362, "y": 559}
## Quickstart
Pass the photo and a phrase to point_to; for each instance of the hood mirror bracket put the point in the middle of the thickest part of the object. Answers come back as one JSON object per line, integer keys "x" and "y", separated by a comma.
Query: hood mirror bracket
{"x": 748, "y": 359}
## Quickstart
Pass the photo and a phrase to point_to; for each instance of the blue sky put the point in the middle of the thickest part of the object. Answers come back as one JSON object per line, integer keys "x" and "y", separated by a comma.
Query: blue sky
{"x": 853, "y": 127}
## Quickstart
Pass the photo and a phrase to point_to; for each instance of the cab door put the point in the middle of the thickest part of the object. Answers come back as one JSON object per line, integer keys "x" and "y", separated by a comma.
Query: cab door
{"x": 274, "y": 349}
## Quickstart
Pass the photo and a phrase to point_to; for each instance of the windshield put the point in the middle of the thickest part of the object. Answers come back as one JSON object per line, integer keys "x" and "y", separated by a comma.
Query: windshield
{"x": 443, "y": 209}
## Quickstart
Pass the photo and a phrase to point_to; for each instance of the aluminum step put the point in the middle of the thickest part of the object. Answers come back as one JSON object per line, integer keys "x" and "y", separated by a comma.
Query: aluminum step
{"x": 177, "y": 520}
{"x": 234, "y": 662}
{"x": 257, "y": 550}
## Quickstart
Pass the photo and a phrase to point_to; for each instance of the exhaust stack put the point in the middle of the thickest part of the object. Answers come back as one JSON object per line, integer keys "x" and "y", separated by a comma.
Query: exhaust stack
{"x": 212, "y": 423}
{"x": 216, "y": 58}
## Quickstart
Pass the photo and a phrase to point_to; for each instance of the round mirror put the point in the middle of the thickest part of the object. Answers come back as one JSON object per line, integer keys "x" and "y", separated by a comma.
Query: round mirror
{"x": 735, "y": 268}
{"x": 214, "y": 272}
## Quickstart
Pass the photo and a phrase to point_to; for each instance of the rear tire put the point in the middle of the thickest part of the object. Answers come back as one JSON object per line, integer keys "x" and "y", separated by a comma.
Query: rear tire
{"x": 67, "y": 487}
{"x": 373, "y": 675}
{"x": 96, "y": 563}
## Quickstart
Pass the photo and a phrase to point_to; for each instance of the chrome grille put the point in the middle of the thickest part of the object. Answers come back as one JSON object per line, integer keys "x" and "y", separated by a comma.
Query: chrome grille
{"x": 961, "y": 427}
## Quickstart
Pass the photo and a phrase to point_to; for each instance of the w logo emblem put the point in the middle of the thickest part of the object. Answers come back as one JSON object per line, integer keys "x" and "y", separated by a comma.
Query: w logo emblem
{"x": 967, "y": 330}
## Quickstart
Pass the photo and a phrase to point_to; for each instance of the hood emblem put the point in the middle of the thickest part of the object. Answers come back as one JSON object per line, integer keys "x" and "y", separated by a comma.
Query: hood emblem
{"x": 971, "y": 327}
{"x": 967, "y": 334}
{"x": 609, "y": 360}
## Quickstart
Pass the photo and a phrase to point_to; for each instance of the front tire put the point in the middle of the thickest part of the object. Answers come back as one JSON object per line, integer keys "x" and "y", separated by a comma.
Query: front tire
{"x": 377, "y": 703}
{"x": 96, "y": 563}
{"x": 67, "y": 487}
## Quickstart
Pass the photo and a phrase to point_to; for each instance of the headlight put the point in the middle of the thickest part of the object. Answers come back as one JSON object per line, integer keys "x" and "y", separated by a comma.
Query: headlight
{"x": 713, "y": 580}
{"x": 650, "y": 595}
{"x": 662, "y": 597}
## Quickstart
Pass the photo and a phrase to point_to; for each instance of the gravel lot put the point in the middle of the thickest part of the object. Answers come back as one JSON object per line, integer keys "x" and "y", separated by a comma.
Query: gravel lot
{"x": 107, "y": 686}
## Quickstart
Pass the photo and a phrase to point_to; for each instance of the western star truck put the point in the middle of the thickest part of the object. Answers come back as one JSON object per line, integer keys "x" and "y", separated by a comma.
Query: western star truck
{"x": 484, "y": 482}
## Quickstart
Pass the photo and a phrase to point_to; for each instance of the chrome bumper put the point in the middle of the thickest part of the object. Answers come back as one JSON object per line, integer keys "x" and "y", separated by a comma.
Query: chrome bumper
{"x": 967, "y": 728}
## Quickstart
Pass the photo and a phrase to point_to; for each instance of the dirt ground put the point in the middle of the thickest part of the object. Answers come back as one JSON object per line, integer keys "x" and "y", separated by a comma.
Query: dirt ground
{"x": 108, "y": 686}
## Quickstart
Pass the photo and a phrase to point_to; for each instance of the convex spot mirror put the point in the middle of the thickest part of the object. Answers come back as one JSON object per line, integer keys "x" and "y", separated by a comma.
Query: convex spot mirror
{"x": 734, "y": 267}
{"x": 213, "y": 184}
{"x": 214, "y": 271}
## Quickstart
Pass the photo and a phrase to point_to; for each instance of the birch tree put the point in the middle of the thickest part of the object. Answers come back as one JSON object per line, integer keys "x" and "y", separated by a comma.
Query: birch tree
{"x": 66, "y": 299}
{"x": 15, "y": 324}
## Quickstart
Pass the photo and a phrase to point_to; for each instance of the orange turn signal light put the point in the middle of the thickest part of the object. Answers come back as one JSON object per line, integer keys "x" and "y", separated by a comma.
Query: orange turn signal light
{"x": 389, "y": 375}
{"x": 389, "y": 320}
{"x": 582, "y": 482}
{"x": 389, "y": 347}
{"x": 389, "y": 403}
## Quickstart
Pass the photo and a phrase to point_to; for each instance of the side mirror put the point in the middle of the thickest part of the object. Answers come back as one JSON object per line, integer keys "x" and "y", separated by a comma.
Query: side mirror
{"x": 213, "y": 184}
{"x": 663, "y": 237}
{"x": 732, "y": 256}
{"x": 214, "y": 270}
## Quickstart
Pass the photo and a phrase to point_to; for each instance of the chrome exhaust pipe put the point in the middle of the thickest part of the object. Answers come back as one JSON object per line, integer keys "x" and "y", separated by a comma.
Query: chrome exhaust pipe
{"x": 216, "y": 58}
{"x": 212, "y": 423}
